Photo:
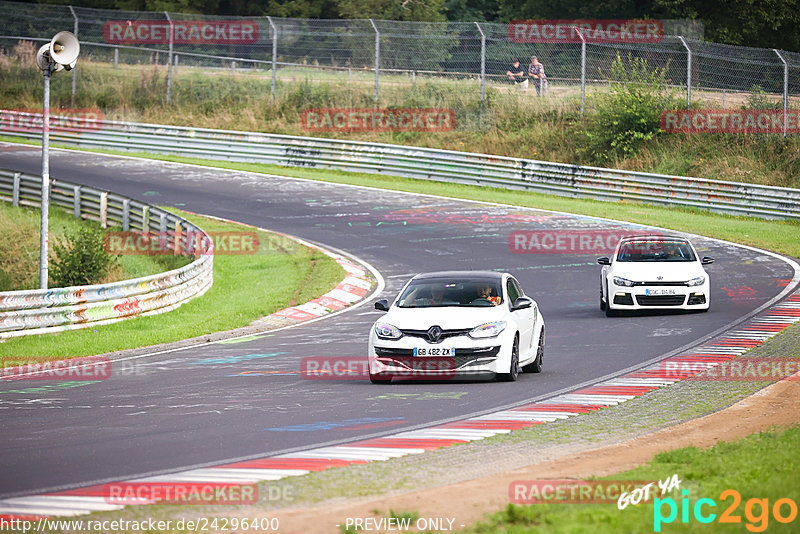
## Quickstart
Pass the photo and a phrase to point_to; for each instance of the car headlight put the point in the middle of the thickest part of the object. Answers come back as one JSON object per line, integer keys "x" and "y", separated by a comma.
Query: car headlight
{"x": 696, "y": 281}
{"x": 622, "y": 282}
{"x": 387, "y": 331}
{"x": 487, "y": 330}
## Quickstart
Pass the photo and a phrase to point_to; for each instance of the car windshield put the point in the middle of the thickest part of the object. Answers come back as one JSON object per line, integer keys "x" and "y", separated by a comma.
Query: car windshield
{"x": 656, "y": 251}
{"x": 435, "y": 293}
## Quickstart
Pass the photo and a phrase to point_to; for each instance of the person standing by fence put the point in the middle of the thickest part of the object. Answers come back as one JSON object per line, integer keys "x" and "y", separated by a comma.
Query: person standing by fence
{"x": 536, "y": 73}
{"x": 516, "y": 73}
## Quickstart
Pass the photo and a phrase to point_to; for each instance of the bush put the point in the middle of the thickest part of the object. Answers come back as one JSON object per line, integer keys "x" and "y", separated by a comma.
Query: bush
{"x": 758, "y": 99}
{"x": 81, "y": 259}
{"x": 628, "y": 114}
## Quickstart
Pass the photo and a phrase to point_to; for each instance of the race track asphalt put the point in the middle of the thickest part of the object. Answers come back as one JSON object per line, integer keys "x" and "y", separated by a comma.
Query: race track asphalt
{"x": 219, "y": 402}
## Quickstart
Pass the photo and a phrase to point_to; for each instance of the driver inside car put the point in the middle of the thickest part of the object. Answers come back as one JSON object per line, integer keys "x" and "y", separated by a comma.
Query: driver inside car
{"x": 485, "y": 293}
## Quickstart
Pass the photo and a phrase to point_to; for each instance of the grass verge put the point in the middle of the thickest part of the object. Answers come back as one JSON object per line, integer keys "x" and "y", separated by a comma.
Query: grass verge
{"x": 706, "y": 474}
{"x": 19, "y": 249}
{"x": 246, "y": 287}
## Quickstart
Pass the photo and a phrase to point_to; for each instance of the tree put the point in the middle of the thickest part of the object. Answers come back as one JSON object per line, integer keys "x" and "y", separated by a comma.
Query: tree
{"x": 410, "y": 10}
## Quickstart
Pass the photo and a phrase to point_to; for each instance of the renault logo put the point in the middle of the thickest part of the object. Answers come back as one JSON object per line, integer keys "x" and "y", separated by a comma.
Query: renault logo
{"x": 434, "y": 334}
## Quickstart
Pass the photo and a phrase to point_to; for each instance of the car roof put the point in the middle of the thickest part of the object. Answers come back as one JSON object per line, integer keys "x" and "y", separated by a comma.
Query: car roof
{"x": 469, "y": 275}
{"x": 654, "y": 237}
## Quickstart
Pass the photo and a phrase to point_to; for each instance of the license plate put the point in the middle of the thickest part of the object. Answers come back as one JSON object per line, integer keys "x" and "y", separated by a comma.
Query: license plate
{"x": 656, "y": 292}
{"x": 433, "y": 351}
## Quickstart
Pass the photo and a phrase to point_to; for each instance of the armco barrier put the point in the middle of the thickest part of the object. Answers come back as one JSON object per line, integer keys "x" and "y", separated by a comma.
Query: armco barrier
{"x": 430, "y": 164}
{"x": 40, "y": 311}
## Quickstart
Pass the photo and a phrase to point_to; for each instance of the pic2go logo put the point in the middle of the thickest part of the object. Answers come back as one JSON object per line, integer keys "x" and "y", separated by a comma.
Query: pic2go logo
{"x": 756, "y": 511}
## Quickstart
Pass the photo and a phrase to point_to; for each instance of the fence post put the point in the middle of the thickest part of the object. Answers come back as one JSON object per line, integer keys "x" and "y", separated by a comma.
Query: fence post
{"x": 688, "y": 72}
{"x": 483, "y": 64}
{"x": 75, "y": 31}
{"x": 377, "y": 57}
{"x": 176, "y": 63}
{"x": 274, "y": 54}
{"x": 116, "y": 57}
{"x": 583, "y": 69}
{"x": 785, "y": 92}
{"x": 169, "y": 59}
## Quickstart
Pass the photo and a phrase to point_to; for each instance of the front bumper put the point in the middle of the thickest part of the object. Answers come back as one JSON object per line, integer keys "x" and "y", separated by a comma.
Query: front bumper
{"x": 657, "y": 297}
{"x": 472, "y": 357}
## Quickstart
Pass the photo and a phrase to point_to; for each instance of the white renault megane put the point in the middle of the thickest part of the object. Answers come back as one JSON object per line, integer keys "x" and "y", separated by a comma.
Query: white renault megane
{"x": 654, "y": 272}
{"x": 444, "y": 324}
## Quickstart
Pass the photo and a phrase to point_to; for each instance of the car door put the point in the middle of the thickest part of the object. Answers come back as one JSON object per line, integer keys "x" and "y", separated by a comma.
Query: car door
{"x": 524, "y": 318}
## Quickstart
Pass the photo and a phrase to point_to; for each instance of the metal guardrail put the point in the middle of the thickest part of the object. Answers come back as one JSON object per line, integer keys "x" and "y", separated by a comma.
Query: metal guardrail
{"x": 561, "y": 179}
{"x": 41, "y": 311}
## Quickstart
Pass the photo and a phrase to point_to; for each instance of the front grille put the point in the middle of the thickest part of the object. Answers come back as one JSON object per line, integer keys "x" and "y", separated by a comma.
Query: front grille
{"x": 445, "y": 333}
{"x": 660, "y": 300}
{"x": 659, "y": 283}
{"x": 463, "y": 357}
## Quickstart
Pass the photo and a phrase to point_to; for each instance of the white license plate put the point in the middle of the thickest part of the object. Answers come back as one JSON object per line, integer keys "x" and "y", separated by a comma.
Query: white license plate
{"x": 434, "y": 351}
{"x": 656, "y": 292}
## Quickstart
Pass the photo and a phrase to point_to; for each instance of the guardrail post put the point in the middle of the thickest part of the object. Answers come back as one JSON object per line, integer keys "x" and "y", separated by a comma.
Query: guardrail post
{"x": 116, "y": 57}
{"x": 377, "y": 58}
{"x": 76, "y": 201}
{"x": 104, "y": 209}
{"x": 274, "y": 54}
{"x": 483, "y": 64}
{"x": 15, "y": 189}
{"x": 75, "y": 31}
{"x": 162, "y": 230}
{"x": 176, "y": 248}
{"x": 175, "y": 67}
{"x": 126, "y": 214}
{"x": 169, "y": 59}
{"x": 688, "y": 72}
{"x": 146, "y": 219}
{"x": 785, "y": 92}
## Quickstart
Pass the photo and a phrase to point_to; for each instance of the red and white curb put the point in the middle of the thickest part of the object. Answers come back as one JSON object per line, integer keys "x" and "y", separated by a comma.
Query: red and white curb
{"x": 611, "y": 392}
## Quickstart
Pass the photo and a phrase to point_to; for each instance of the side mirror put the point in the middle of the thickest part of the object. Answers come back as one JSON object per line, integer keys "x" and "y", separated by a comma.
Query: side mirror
{"x": 521, "y": 303}
{"x": 604, "y": 261}
{"x": 382, "y": 305}
{"x": 707, "y": 261}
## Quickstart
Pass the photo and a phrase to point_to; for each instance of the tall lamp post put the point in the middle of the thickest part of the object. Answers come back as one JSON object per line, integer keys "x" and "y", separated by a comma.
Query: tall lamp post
{"x": 59, "y": 54}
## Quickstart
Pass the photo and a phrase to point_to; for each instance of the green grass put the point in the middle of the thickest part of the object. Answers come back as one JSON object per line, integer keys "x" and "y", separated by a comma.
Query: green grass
{"x": 760, "y": 466}
{"x": 246, "y": 287}
{"x": 19, "y": 249}
{"x": 509, "y": 123}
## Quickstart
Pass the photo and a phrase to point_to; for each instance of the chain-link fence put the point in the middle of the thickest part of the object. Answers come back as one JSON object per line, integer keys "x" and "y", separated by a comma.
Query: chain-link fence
{"x": 469, "y": 56}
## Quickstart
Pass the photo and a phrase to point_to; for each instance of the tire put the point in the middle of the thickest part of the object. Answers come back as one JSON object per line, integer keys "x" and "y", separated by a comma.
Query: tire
{"x": 513, "y": 373}
{"x": 379, "y": 378}
{"x": 536, "y": 365}
{"x": 610, "y": 312}
{"x": 602, "y": 302}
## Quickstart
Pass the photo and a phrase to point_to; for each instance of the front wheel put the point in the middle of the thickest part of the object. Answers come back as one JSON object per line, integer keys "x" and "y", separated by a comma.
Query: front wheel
{"x": 513, "y": 373}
